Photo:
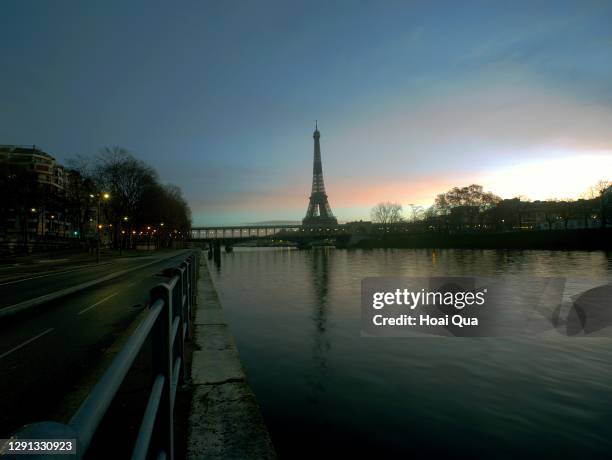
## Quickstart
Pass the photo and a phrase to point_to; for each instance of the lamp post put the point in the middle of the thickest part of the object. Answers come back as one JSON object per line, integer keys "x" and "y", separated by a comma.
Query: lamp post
{"x": 100, "y": 197}
{"x": 122, "y": 232}
{"x": 34, "y": 211}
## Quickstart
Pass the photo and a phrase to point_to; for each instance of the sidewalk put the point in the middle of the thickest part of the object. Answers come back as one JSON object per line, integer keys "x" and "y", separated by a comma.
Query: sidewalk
{"x": 225, "y": 421}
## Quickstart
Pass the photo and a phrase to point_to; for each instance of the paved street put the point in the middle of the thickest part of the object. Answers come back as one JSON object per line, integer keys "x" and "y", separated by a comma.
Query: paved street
{"x": 48, "y": 356}
{"x": 26, "y": 282}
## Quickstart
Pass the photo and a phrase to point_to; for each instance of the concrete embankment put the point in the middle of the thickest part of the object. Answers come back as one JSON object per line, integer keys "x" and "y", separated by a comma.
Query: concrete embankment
{"x": 225, "y": 421}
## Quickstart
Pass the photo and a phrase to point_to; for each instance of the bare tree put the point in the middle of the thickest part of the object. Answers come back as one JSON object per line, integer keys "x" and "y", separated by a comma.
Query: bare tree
{"x": 82, "y": 164}
{"x": 598, "y": 191}
{"x": 416, "y": 212}
{"x": 552, "y": 212}
{"x": 387, "y": 213}
{"x": 79, "y": 189}
{"x": 125, "y": 178}
{"x": 137, "y": 199}
{"x": 430, "y": 212}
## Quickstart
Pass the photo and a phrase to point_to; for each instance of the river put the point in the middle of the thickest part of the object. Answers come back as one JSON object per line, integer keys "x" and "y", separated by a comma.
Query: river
{"x": 326, "y": 391}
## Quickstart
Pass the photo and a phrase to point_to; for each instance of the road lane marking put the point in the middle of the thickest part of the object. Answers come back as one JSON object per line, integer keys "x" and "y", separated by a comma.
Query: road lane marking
{"x": 44, "y": 275}
{"x": 25, "y": 343}
{"x": 97, "y": 303}
{"x": 30, "y": 303}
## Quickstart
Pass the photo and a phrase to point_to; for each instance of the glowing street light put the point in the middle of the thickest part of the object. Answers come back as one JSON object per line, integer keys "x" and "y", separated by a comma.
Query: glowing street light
{"x": 106, "y": 196}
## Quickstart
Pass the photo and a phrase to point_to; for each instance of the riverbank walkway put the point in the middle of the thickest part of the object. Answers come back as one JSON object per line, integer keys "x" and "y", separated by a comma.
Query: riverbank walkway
{"x": 225, "y": 421}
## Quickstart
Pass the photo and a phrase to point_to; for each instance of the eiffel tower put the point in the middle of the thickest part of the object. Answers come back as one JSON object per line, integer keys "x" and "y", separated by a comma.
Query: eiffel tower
{"x": 319, "y": 213}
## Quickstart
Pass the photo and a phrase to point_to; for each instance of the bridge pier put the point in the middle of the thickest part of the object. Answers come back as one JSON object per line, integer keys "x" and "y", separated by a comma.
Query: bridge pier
{"x": 217, "y": 253}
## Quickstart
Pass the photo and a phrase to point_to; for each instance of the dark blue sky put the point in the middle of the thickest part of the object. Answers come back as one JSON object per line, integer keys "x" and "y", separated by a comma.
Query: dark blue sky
{"x": 411, "y": 97}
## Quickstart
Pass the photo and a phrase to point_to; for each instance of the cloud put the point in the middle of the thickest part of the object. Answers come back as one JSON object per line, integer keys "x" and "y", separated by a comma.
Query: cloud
{"x": 472, "y": 128}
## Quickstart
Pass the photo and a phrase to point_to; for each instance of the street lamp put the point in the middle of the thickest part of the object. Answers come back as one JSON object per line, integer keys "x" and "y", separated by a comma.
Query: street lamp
{"x": 101, "y": 196}
{"x": 125, "y": 219}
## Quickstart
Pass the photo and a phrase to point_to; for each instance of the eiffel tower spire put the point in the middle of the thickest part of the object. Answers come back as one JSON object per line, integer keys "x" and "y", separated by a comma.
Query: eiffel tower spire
{"x": 319, "y": 213}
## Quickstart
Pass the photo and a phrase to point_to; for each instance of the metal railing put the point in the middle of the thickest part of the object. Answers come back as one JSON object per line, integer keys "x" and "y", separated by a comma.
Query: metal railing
{"x": 167, "y": 322}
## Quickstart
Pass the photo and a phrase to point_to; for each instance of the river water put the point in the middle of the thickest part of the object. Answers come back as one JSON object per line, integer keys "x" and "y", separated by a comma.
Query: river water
{"x": 325, "y": 391}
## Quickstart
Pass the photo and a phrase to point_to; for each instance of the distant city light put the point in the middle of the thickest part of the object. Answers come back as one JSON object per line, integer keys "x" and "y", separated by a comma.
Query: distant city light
{"x": 33, "y": 210}
{"x": 106, "y": 196}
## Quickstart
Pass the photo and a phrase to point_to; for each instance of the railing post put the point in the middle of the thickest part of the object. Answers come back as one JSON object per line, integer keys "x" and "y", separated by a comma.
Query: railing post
{"x": 179, "y": 311}
{"x": 196, "y": 277}
{"x": 185, "y": 280}
{"x": 162, "y": 364}
{"x": 189, "y": 263}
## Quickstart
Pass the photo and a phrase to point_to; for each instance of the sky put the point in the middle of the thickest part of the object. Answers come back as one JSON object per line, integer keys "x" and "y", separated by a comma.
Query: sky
{"x": 411, "y": 98}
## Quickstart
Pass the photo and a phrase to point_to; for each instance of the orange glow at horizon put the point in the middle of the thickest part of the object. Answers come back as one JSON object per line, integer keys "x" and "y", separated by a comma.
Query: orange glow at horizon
{"x": 563, "y": 177}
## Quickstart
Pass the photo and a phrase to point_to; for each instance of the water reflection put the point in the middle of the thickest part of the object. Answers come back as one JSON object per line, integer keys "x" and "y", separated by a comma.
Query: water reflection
{"x": 319, "y": 262}
{"x": 296, "y": 319}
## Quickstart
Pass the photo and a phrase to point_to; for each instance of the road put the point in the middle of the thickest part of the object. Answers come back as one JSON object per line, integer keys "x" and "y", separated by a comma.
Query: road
{"x": 36, "y": 284}
{"x": 48, "y": 356}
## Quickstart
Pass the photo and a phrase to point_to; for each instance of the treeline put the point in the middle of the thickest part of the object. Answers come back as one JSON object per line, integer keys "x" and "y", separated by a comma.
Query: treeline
{"x": 472, "y": 206}
{"x": 471, "y": 195}
{"x": 131, "y": 199}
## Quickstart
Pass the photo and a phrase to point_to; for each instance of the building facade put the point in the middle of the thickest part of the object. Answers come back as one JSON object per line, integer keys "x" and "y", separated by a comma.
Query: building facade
{"x": 33, "y": 196}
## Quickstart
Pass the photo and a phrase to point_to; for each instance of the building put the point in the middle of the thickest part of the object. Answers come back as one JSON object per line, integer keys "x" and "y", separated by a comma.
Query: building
{"x": 34, "y": 192}
{"x": 45, "y": 168}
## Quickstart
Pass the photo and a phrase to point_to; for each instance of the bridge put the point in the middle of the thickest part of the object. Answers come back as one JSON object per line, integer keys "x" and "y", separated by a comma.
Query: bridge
{"x": 242, "y": 232}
